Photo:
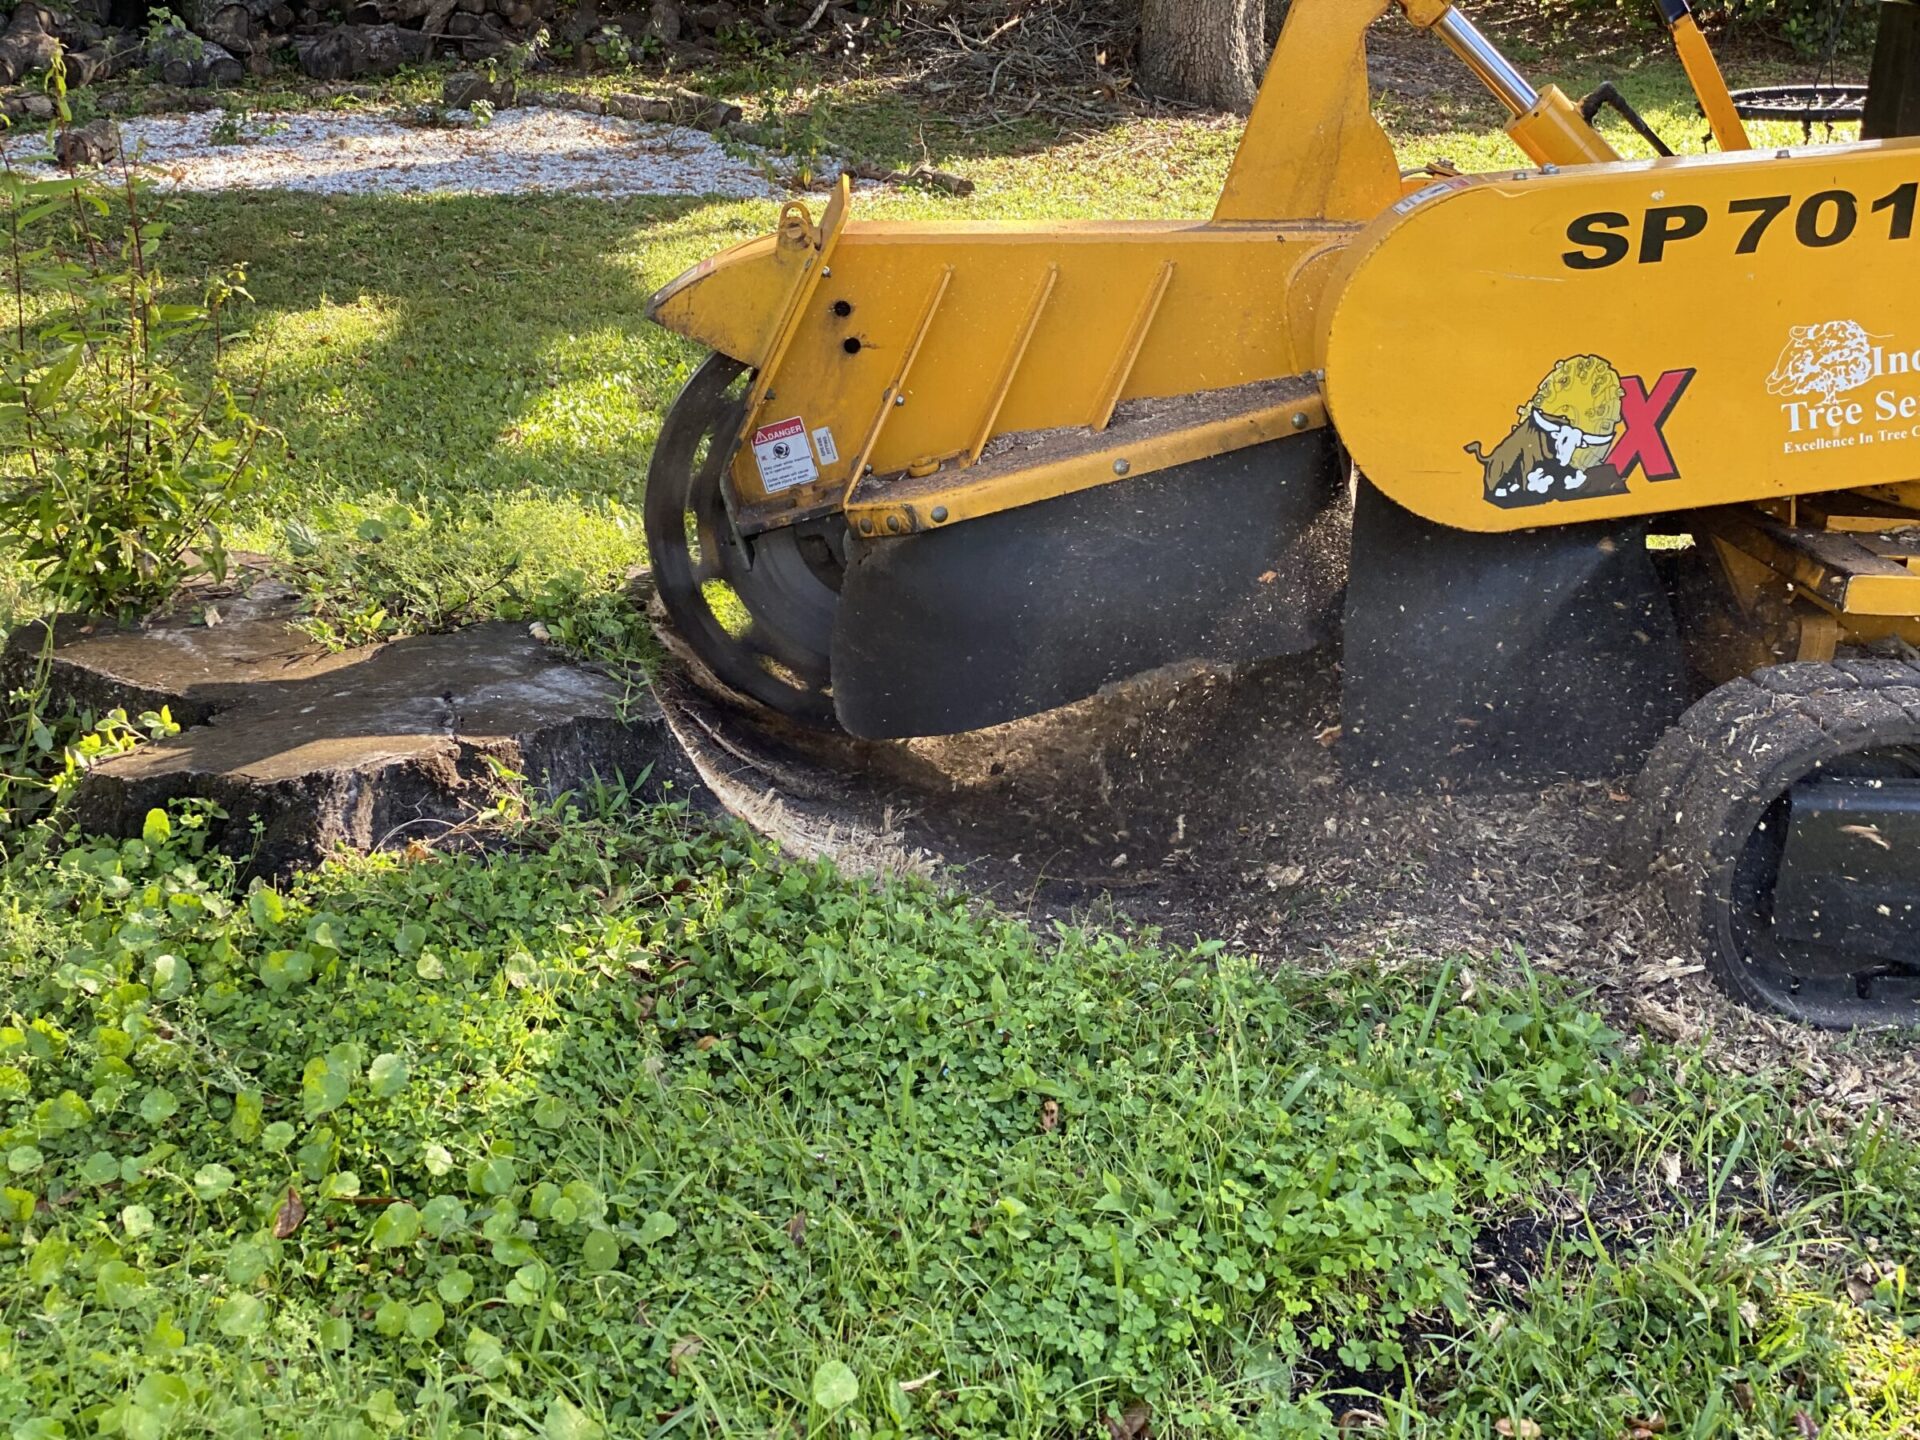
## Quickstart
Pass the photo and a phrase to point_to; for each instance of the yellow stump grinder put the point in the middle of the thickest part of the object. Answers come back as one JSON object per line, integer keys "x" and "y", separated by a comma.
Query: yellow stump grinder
{"x": 1630, "y": 451}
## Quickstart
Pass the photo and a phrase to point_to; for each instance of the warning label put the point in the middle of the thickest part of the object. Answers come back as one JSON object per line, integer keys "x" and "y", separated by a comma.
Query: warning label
{"x": 783, "y": 455}
{"x": 1430, "y": 192}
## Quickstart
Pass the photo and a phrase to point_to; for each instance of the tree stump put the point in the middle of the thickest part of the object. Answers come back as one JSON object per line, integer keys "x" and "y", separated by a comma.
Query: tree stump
{"x": 460, "y": 90}
{"x": 307, "y": 750}
{"x": 96, "y": 143}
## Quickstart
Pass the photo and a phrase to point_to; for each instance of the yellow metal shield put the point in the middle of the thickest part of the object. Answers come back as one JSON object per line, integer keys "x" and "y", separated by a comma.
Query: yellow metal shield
{"x": 1540, "y": 348}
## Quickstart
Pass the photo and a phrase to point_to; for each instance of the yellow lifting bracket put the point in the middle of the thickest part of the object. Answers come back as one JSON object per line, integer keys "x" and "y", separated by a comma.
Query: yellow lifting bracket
{"x": 1312, "y": 146}
{"x": 1703, "y": 73}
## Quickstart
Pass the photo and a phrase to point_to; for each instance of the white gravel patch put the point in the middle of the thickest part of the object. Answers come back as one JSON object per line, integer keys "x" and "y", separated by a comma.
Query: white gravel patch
{"x": 524, "y": 149}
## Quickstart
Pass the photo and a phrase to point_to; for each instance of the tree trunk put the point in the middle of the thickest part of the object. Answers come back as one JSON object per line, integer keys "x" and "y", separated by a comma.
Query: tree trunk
{"x": 1207, "y": 52}
{"x": 1893, "y": 91}
{"x": 1275, "y": 18}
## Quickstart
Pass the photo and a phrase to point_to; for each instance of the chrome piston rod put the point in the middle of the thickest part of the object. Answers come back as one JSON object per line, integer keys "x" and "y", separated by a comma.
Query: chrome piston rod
{"x": 1492, "y": 68}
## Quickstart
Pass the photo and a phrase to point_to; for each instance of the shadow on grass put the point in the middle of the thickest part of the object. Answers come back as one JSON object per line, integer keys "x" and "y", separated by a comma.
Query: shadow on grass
{"x": 458, "y": 348}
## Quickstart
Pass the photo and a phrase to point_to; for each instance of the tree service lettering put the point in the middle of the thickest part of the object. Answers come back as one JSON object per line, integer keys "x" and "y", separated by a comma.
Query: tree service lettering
{"x": 1822, "y": 219}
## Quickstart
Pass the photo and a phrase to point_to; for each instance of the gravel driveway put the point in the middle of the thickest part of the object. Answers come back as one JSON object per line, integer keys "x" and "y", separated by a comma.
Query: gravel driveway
{"x": 523, "y": 149}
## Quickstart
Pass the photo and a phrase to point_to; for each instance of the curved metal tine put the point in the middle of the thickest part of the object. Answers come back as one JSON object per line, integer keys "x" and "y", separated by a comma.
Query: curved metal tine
{"x": 769, "y": 644}
{"x": 702, "y": 553}
{"x": 712, "y": 469}
{"x": 718, "y": 453}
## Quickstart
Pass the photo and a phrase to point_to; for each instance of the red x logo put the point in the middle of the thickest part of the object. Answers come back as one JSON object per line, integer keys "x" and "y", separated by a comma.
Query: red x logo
{"x": 1644, "y": 413}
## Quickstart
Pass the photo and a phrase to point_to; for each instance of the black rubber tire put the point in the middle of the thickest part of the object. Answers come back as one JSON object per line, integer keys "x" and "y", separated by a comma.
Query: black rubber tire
{"x": 1711, "y": 780}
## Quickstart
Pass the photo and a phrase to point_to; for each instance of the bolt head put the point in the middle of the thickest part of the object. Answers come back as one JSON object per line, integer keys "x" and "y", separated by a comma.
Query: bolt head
{"x": 939, "y": 514}
{"x": 866, "y": 527}
{"x": 826, "y": 272}
{"x": 893, "y": 524}
{"x": 899, "y": 399}
{"x": 1121, "y": 467}
{"x": 1299, "y": 419}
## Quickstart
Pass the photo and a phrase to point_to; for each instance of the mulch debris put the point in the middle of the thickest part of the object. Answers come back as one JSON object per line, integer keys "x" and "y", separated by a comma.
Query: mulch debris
{"x": 1211, "y": 804}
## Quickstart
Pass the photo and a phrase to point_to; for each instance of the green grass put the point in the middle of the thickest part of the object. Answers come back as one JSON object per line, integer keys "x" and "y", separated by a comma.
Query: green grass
{"x": 629, "y": 1128}
{"x": 478, "y": 368}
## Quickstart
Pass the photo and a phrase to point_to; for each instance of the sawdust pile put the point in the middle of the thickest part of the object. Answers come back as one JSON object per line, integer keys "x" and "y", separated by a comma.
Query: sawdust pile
{"x": 529, "y": 149}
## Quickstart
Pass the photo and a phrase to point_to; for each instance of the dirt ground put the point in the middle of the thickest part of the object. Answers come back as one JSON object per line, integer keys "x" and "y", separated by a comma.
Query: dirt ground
{"x": 1213, "y": 804}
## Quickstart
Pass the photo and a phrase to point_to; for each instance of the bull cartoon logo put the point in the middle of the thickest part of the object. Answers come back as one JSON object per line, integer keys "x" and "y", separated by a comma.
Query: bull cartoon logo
{"x": 1586, "y": 429}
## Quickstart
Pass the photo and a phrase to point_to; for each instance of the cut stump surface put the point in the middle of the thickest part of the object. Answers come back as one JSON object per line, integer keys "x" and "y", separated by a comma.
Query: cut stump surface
{"x": 307, "y": 750}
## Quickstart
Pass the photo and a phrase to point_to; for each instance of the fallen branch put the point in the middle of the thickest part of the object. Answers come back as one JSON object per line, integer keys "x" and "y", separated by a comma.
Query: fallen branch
{"x": 1054, "y": 55}
{"x": 922, "y": 176}
{"x": 677, "y": 107}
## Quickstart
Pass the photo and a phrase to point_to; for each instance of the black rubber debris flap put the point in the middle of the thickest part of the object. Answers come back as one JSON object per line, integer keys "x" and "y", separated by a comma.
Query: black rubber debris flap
{"x": 1502, "y": 659}
{"x": 1028, "y": 609}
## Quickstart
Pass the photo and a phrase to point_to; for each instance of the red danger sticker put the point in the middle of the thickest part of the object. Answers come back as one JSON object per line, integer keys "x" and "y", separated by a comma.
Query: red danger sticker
{"x": 785, "y": 430}
{"x": 783, "y": 455}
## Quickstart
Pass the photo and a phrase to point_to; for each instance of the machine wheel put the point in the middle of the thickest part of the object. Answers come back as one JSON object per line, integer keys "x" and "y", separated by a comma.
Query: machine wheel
{"x": 757, "y": 611}
{"x": 1716, "y": 816}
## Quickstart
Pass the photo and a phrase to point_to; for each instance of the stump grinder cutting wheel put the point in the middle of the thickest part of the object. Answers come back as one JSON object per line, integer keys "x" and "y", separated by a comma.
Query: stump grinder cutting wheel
{"x": 1618, "y": 435}
{"x": 761, "y": 618}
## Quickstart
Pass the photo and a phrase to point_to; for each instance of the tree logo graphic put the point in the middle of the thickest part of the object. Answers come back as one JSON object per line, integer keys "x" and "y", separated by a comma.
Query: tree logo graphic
{"x": 1827, "y": 360}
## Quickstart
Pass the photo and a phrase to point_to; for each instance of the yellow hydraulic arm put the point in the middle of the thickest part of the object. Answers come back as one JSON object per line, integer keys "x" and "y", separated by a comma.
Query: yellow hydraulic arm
{"x": 1311, "y": 146}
